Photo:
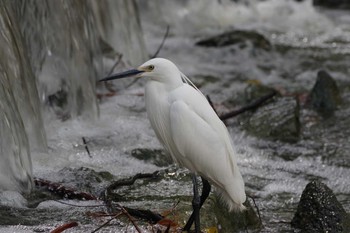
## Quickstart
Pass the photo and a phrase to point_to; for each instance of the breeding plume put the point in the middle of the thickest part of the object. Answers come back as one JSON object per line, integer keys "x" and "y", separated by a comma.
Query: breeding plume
{"x": 192, "y": 133}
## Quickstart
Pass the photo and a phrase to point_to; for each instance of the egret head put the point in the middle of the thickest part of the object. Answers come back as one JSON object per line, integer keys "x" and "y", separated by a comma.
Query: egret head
{"x": 158, "y": 69}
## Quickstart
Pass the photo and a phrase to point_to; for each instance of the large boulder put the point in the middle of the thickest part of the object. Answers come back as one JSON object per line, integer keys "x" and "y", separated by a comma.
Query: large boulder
{"x": 320, "y": 211}
{"x": 278, "y": 120}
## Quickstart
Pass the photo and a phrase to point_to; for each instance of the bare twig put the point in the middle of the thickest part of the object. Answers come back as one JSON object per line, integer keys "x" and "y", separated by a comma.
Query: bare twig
{"x": 133, "y": 82}
{"x": 115, "y": 64}
{"x": 257, "y": 208}
{"x": 130, "y": 218}
{"x": 162, "y": 43}
{"x": 155, "y": 54}
{"x": 107, "y": 222}
{"x": 211, "y": 103}
{"x": 251, "y": 106}
{"x": 147, "y": 215}
{"x": 107, "y": 84}
{"x": 86, "y": 147}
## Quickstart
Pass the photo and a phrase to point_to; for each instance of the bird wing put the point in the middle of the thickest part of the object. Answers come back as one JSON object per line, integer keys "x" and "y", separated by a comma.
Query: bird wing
{"x": 203, "y": 142}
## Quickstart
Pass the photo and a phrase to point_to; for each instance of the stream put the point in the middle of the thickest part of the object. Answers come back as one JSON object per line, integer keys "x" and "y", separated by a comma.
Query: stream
{"x": 304, "y": 39}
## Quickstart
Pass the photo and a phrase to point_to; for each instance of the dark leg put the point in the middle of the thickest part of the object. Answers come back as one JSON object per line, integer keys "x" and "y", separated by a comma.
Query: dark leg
{"x": 205, "y": 193}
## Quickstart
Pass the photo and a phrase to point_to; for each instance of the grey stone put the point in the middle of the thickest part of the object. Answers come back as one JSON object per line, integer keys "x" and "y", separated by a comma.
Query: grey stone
{"x": 320, "y": 211}
{"x": 324, "y": 96}
{"x": 278, "y": 120}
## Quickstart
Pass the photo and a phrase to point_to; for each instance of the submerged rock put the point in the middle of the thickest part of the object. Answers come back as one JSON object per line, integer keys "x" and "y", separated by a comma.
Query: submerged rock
{"x": 320, "y": 211}
{"x": 278, "y": 120}
{"x": 236, "y": 37}
{"x": 154, "y": 156}
{"x": 324, "y": 96}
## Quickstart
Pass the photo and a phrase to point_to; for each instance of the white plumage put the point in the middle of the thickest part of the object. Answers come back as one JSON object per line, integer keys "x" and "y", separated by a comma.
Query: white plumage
{"x": 190, "y": 130}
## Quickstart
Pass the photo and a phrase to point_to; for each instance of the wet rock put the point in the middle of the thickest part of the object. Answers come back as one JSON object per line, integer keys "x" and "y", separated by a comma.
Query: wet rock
{"x": 332, "y": 3}
{"x": 255, "y": 90}
{"x": 234, "y": 37}
{"x": 155, "y": 156}
{"x": 235, "y": 221}
{"x": 85, "y": 179}
{"x": 324, "y": 96}
{"x": 278, "y": 120}
{"x": 320, "y": 211}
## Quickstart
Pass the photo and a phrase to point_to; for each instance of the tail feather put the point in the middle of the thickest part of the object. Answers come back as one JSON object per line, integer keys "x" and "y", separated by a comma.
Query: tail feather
{"x": 232, "y": 205}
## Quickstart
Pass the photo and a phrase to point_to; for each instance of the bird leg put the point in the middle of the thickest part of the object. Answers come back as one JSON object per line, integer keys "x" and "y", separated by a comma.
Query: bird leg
{"x": 205, "y": 193}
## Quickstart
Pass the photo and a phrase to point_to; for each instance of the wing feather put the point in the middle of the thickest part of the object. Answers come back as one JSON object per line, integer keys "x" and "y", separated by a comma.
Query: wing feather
{"x": 203, "y": 143}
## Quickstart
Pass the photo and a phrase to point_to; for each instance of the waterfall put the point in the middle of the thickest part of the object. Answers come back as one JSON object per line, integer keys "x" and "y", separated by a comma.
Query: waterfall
{"x": 50, "y": 59}
{"x": 19, "y": 109}
{"x": 119, "y": 25}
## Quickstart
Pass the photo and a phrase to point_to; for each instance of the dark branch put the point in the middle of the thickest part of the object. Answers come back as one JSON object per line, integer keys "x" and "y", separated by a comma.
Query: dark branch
{"x": 131, "y": 180}
{"x": 115, "y": 64}
{"x": 86, "y": 147}
{"x": 211, "y": 103}
{"x": 257, "y": 208}
{"x": 162, "y": 43}
{"x": 144, "y": 214}
{"x": 251, "y": 106}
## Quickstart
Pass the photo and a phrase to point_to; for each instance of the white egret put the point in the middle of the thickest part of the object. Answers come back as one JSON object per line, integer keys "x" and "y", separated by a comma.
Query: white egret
{"x": 191, "y": 132}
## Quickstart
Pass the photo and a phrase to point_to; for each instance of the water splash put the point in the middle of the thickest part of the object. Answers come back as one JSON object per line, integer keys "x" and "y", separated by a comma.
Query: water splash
{"x": 203, "y": 16}
{"x": 119, "y": 25}
{"x": 50, "y": 60}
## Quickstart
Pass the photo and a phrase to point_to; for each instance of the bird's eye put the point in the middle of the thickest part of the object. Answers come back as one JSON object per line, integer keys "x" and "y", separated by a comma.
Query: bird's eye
{"x": 151, "y": 67}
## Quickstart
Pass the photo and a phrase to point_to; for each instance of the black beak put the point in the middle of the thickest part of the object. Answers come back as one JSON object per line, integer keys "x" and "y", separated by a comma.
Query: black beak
{"x": 129, "y": 73}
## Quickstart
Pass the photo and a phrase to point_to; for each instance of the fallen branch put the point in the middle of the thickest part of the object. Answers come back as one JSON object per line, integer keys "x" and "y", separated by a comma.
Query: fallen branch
{"x": 126, "y": 212}
{"x": 64, "y": 227}
{"x": 130, "y": 181}
{"x": 142, "y": 214}
{"x": 107, "y": 222}
{"x": 147, "y": 215}
{"x": 63, "y": 191}
{"x": 251, "y": 106}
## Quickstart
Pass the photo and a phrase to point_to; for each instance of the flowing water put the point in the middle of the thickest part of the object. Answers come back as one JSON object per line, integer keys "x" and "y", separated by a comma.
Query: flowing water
{"x": 305, "y": 39}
